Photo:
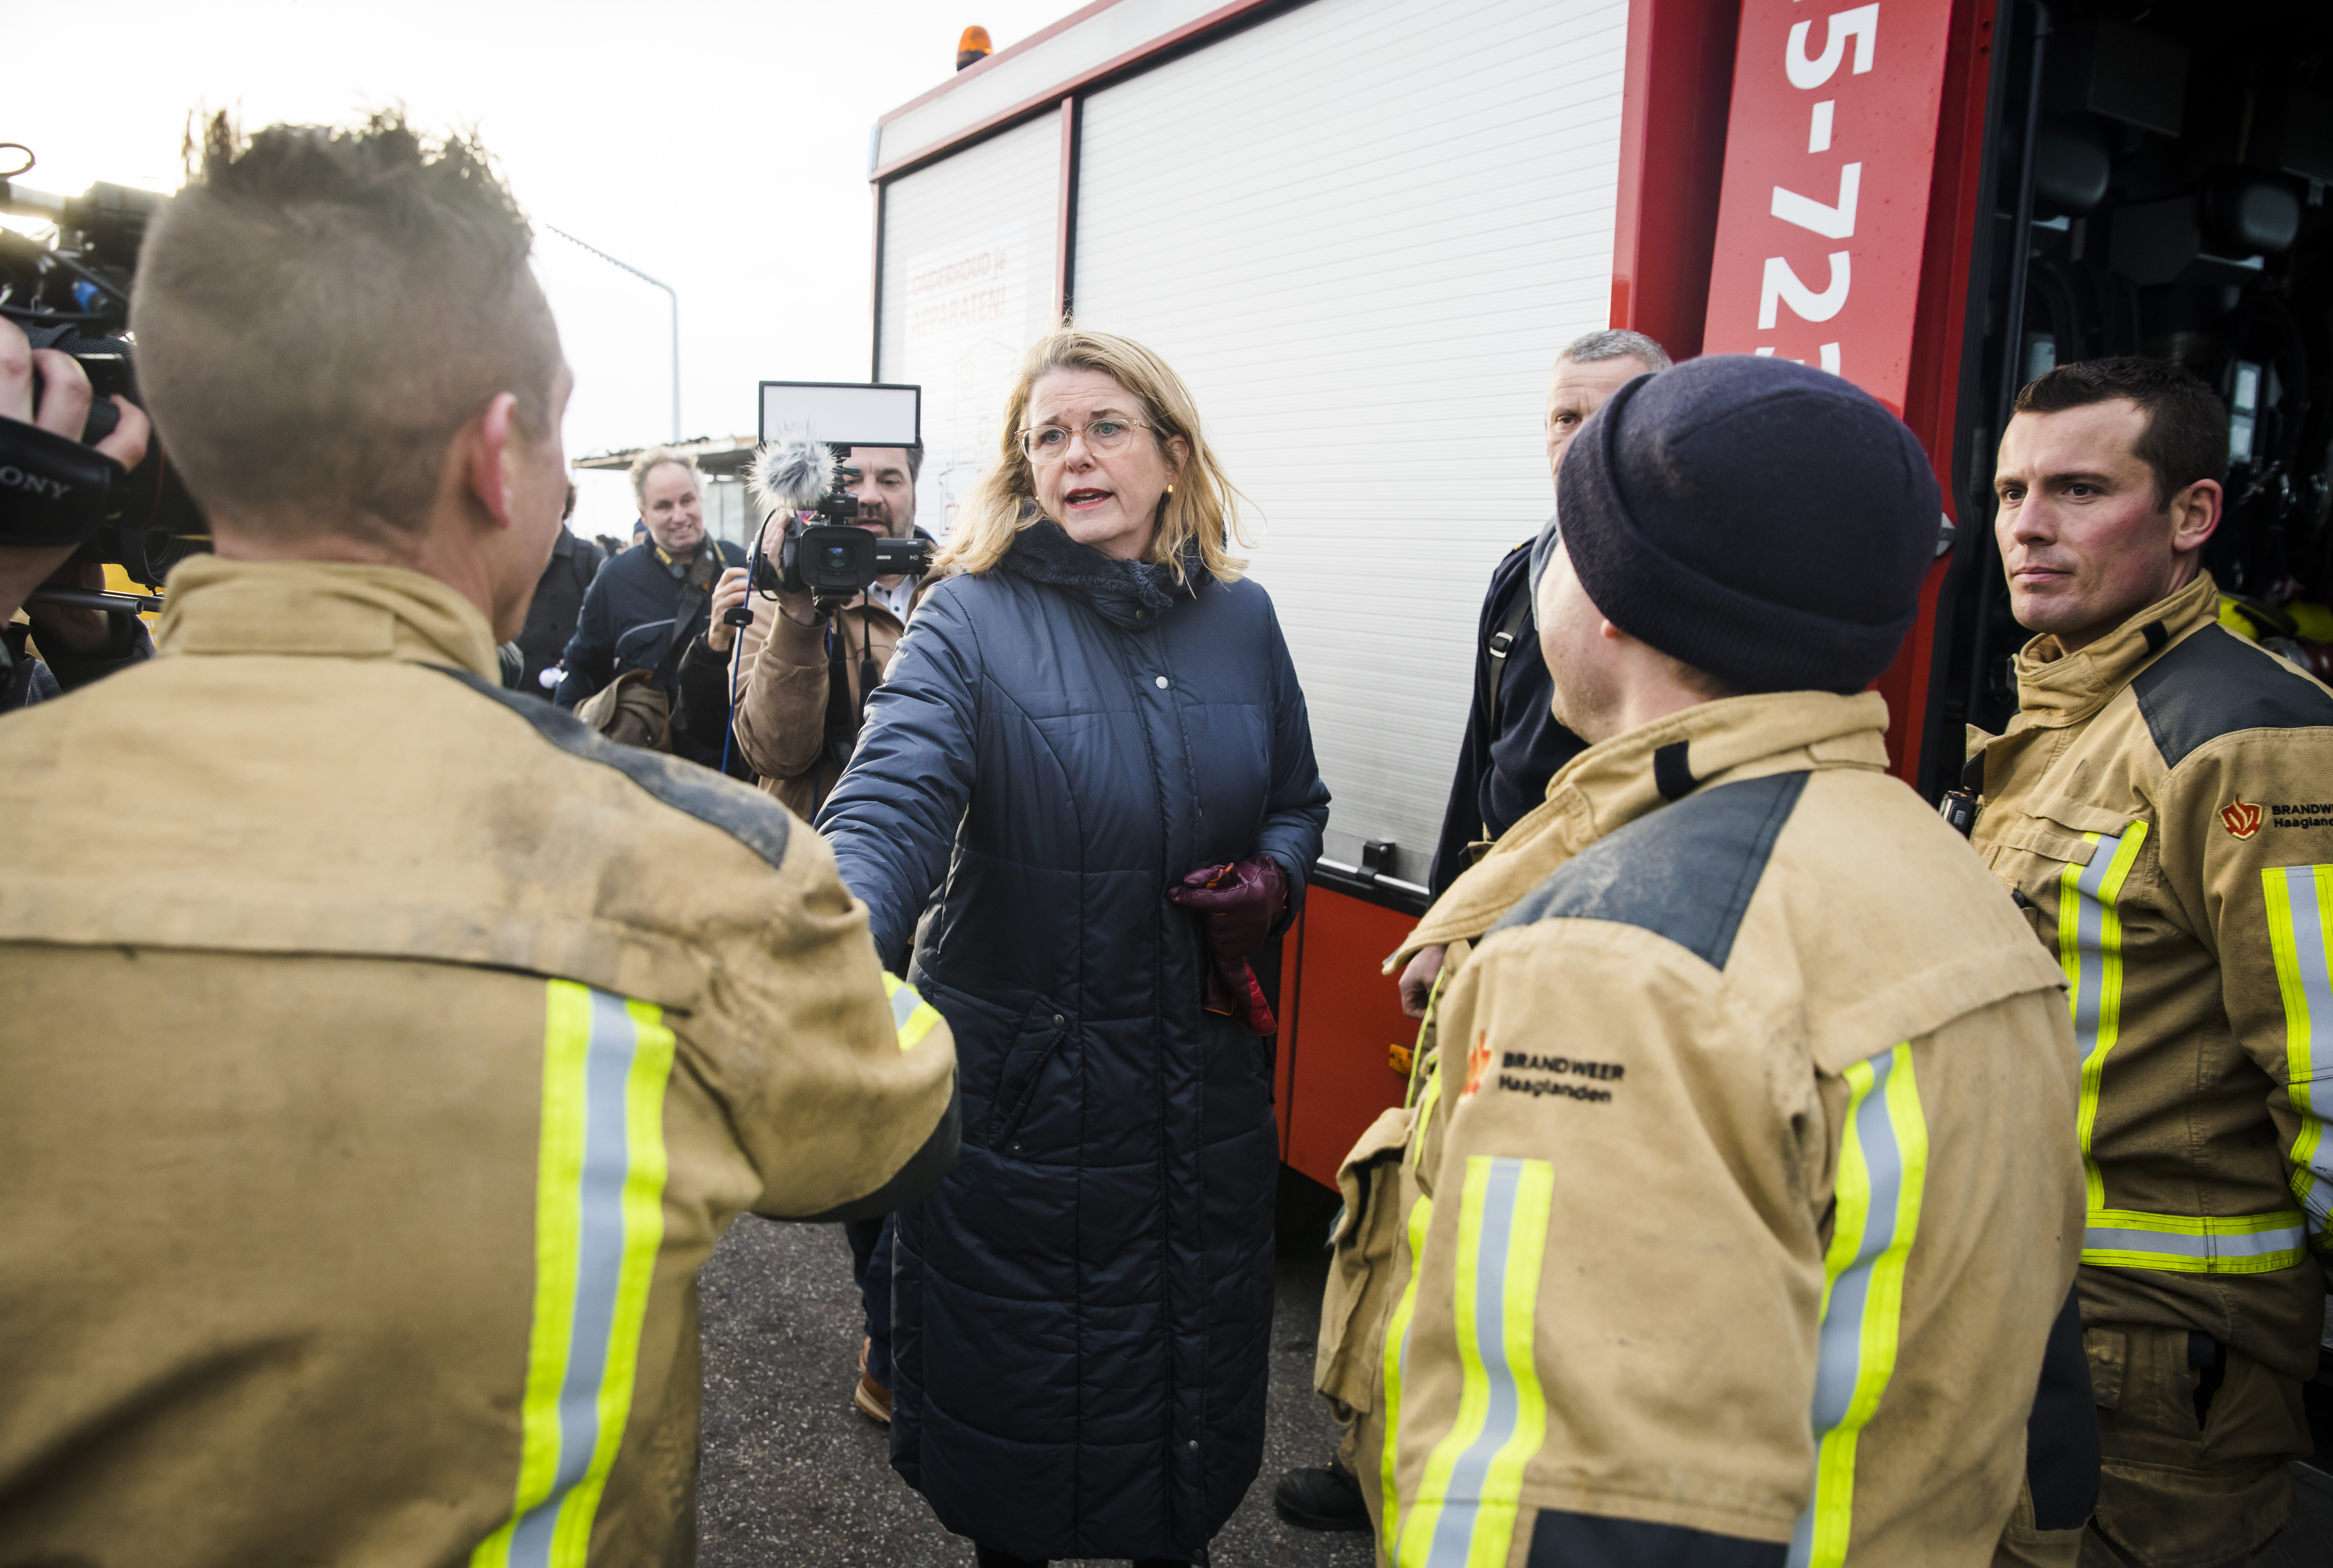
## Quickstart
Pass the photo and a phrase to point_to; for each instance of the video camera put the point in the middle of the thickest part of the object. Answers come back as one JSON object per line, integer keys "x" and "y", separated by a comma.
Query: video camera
{"x": 71, "y": 294}
{"x": 836, "y": 560}
{"x": 825, "y": 551}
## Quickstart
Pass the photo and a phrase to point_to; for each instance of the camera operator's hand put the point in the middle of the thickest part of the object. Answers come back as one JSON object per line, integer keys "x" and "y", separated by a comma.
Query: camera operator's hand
{"x": 732, "y": 590}
{"x": 63, "y": 410}
{"x": 65, "y": 399}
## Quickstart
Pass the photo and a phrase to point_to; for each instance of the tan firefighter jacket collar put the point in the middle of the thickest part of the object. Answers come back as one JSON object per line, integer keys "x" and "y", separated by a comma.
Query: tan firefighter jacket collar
{"x": 323, "y": 610}
{"x": 2056, "y": 688}
{"x": 1616, "y": 781}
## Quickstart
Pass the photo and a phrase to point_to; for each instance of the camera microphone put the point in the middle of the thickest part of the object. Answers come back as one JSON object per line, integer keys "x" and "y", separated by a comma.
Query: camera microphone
{"x": 829, "y": 545}
{"x": 791, "y": 472}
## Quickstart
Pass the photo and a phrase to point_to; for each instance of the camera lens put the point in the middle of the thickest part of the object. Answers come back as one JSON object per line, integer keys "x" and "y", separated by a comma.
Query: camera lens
{"x": 837, "y": 559}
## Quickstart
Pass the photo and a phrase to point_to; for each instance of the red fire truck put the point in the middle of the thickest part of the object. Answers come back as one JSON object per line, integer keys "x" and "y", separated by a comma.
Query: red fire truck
{"x": 1361, "y": 229}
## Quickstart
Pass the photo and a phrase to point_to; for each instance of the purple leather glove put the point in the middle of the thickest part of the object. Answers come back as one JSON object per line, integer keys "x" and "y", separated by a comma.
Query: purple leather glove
{"x": 1237, "y": 905}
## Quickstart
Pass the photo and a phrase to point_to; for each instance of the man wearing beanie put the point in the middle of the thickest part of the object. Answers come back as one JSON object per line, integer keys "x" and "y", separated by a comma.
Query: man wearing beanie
{"x": 1746, "y": 1196}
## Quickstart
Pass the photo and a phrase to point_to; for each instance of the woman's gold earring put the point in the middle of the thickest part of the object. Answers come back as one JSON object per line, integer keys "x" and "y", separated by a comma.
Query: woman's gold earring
{"x": 1170, "y": 488}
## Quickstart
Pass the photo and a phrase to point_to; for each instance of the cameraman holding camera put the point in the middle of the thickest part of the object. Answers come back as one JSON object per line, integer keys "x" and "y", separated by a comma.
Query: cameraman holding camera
{"x": 50, "y": 503}
{"x": 801, "y": 690}
{"x": 384, "y": 1051}
{"x": 803, "y": 680}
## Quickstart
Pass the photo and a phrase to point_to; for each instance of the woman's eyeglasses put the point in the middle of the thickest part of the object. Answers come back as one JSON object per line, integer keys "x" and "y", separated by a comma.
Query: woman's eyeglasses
{"x": 1048, "y": 444}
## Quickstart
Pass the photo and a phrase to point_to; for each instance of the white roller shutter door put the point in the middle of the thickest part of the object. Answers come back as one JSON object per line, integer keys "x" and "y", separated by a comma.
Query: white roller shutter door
{"x": 1361, "y": 231}
{"x": 968, "y": 262}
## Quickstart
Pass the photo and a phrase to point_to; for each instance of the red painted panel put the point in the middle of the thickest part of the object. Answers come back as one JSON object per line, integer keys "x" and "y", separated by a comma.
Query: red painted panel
{"x": 1347, "y": 1016}
{"x": 1829, "y": 156}
{"x": 1680, "y": 65}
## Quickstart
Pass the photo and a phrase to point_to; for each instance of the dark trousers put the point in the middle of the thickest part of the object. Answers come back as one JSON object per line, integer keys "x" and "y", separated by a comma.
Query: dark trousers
{"x": 871, "y": 1265}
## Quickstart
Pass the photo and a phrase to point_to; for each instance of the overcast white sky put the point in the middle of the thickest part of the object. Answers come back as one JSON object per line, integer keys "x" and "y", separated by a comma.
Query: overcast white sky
{"x": 719, "y": 146}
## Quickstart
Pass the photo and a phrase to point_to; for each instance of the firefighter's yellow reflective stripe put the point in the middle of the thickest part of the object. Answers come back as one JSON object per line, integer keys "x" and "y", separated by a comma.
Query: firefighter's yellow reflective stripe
{"x": 1883, "y": 1172}
{"x": 2090, "y": 948}
{"x": 598, "y": 1223}
{"x": 1396, "y": 1361}
{"x": 2185, "y": 1243}
{"x": 1462, "y": 1515}
{"x": 1427, "y": 1099}
{"x": 2297, "y": 897}
{"x": 1410, "y": 1090}
{"x": 910, "y": 1013}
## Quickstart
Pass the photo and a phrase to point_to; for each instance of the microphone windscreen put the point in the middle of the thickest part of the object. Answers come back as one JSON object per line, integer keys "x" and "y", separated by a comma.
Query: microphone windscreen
{"x": 791, "y": 471}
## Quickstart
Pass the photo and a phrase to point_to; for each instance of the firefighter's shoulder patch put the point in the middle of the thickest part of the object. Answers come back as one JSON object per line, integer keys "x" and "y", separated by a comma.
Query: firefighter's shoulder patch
{"x": 1686, "y": 872}
{"x": 2215, "y": 683}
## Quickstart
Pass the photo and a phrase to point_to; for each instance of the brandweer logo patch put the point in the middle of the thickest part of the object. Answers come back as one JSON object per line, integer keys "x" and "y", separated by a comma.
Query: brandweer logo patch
{"x": 2240, "y": 819}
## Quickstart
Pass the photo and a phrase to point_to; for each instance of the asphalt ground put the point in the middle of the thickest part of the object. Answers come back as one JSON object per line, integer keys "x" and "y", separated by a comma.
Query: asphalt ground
{"x": 793, "y": 1473}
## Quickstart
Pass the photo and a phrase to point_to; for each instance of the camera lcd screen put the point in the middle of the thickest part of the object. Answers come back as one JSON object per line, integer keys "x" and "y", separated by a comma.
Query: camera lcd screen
{"x": 845, "y": 412}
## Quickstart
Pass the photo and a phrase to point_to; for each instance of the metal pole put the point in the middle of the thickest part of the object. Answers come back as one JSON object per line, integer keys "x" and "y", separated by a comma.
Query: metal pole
{"x": 671, "y": 294}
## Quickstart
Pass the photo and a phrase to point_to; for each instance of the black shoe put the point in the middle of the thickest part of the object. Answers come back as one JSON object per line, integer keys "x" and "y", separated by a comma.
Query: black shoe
{"x": 1329, "y": 1498}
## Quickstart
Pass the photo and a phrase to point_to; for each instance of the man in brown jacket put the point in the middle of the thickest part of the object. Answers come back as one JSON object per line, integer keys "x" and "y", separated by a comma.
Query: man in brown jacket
{"x": 802, "y": 682}
{"x": 1742, "y": 1210}
{"x": 2157, "y": 807}
{"x": 383, "y": 1052}
{"x": 801, "y": 679}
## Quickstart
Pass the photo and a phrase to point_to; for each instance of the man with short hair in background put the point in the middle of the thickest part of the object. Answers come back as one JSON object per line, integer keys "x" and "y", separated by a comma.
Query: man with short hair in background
{"x": 1514, "y": 743}
{"x": 2157, "y": 807}
{"x": 368, "y": 1120}
{"x": 641, "y": 612}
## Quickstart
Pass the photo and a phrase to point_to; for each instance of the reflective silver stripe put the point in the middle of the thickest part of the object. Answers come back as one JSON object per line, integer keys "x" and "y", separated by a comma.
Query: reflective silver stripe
{"x": 2089, "y": 915}
{"x": 1453, "y": 1532}
{"x": 904, "y": 1003}
{"x": 606, "y": 1164}
{"x": 2301, "y": 944}
{"x": 1464, "y": 1509}
{"x": 1882, "y": 1180}
{"x": 2179, "y": 1244}
{"x": 599, "y": 1179}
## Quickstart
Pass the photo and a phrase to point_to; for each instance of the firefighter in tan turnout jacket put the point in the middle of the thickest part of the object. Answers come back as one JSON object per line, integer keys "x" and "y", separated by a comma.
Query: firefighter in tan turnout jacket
{"x": 1744, "y": 1202}
{"x": 2159, "y": 806}
{"x": 384, "y": 1052}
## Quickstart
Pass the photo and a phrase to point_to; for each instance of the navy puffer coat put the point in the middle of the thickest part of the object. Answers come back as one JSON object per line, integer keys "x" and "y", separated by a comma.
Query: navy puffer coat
{"x": 1082, "y": 1311}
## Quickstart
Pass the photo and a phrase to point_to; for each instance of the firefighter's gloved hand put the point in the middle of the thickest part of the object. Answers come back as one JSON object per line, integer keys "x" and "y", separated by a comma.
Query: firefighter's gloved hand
{"x": 1237, "y": 905}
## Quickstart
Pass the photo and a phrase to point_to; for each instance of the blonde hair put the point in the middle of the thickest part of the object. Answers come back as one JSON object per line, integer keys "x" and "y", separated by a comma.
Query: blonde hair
{"x": 656, "y": 457}
{"x": 1201, "y": 511}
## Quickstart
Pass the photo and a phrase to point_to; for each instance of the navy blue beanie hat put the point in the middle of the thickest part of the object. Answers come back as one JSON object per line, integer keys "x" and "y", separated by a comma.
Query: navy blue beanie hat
{"x": 1765, "y": 522}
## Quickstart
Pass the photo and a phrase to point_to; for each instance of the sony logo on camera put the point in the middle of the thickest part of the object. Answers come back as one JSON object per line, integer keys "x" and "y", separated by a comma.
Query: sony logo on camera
{"x": 13, "y": 478}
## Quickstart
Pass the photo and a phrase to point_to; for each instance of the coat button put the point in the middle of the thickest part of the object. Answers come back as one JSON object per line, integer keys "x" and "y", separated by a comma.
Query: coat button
{"x": 1193, "y": 1444}
{"x": 1162, "y": 683}
{"x": 1060, "y": 1022}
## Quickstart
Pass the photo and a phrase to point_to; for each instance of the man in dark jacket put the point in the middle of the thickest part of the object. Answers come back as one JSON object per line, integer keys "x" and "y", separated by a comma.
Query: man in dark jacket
{"x": 650, "y": 600}
{"x": 1513, "y": 744}
{"x": 1513, "y": 747}
{"x": 558, "y": 605}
